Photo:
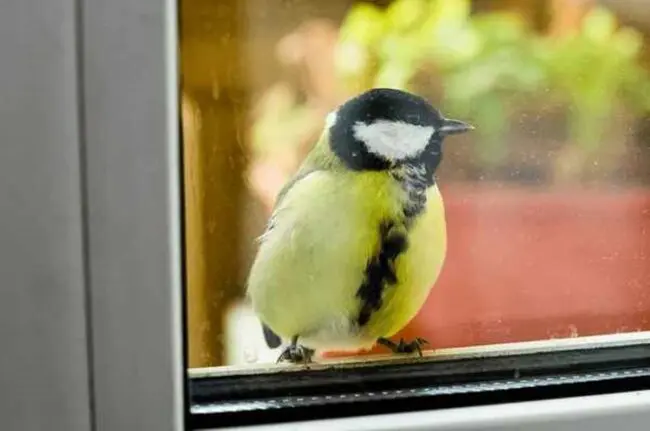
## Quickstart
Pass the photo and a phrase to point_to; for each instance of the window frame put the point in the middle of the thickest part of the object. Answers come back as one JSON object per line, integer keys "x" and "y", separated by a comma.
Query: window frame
{"x": 130, "y": 265}
{"x": 91, "y": 228}
{"x": 626, "y": 411}
{"x": 44, "y": 371}
{"x": 464, "y": 378}
{"x": 131, "y": 159}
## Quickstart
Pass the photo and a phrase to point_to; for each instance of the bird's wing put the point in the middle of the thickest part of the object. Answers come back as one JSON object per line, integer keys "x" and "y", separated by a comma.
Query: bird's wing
{"x": 301, "y": 175}
{"x": 272, "y": 339}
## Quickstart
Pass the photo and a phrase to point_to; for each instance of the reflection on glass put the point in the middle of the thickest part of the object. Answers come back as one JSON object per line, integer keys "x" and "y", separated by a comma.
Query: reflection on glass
{"x": 547, "y": 201}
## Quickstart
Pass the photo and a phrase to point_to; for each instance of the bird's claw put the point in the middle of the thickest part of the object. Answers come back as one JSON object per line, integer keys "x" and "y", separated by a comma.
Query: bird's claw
{"x": 296, "y": 354}
{"x": 404, "y": 346}
{"x": 411, "y": 347}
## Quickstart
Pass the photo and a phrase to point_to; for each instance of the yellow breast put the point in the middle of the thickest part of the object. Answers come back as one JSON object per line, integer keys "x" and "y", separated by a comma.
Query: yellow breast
{"x": 417, "y": 270}
{"x": 309, "y": 268}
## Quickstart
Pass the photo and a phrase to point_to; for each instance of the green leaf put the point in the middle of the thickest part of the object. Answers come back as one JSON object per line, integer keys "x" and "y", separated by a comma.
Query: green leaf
{"x": 402, "y": 15}
{"x": 364, "y": 24}
{"x": 628, "y": 42}
{"x": 599, "y": 24}
{"x": 451, "y": 12}
{"x": 394, "y": 75}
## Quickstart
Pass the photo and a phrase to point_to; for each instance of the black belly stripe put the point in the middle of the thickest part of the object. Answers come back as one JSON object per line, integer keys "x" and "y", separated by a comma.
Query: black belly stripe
{"x": 380, "y": 270}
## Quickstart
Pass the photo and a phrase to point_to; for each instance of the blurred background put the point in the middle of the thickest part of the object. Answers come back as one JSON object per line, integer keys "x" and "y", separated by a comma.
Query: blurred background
{"x": 548, "y": 201}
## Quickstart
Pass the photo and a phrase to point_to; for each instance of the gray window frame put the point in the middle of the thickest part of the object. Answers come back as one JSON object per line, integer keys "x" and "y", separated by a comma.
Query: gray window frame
{"x": 91, "y": 313}
{"x": 91, "y": 243}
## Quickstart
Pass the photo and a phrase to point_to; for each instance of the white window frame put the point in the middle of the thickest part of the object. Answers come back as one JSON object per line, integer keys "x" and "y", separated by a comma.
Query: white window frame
{"x": 91, "y": 240}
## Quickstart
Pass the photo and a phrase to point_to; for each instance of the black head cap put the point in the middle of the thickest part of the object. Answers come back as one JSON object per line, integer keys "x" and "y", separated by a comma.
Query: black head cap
{"x": 383, "y": 128}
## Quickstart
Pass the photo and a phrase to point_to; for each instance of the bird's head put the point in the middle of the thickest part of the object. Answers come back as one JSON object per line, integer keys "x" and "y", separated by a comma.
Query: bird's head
{"x": 383, "y": 129}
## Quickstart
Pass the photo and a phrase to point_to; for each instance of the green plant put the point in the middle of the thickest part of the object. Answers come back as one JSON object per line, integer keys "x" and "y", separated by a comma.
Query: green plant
{"x": 506, "y": 70}
{"x": 490, "y": 65}
{"x": 483, "y": 62}
{"x": 487, "y": 68}
{"x": 597, "y": 73}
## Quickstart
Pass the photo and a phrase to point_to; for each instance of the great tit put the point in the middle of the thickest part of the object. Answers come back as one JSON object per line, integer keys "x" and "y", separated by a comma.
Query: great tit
{"x": 357, "y": 237}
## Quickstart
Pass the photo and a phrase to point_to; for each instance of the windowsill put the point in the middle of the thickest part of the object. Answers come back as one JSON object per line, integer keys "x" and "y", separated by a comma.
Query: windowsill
{"x": 495, "y": 350}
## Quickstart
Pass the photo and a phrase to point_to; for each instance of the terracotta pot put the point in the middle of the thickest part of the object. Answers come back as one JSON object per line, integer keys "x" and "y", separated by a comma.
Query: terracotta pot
{"x": 529, "y": 265}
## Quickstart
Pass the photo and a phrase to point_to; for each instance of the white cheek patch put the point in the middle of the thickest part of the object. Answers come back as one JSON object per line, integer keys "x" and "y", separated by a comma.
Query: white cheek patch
{"x": 393, "y": 140}
{"x": 330, "y": 120}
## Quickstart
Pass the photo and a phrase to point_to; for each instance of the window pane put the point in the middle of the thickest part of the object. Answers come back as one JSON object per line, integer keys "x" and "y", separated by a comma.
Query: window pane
{"x": 547, "y": 201}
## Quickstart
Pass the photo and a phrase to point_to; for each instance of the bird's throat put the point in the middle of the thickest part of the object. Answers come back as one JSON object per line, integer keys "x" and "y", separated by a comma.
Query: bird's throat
{"x": 413, "y": 180}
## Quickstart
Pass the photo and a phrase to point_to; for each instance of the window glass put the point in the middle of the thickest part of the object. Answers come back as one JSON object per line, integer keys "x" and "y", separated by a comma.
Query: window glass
{"x": 547, "y": 200}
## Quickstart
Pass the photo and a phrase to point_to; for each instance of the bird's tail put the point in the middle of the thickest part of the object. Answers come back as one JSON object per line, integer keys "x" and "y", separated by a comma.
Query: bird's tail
{"x": 271, "y": 338}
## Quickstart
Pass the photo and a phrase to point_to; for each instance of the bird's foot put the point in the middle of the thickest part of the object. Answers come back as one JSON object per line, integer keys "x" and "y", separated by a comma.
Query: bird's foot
{"x": 295, "y": 353}
{"x": 404, "y": 346}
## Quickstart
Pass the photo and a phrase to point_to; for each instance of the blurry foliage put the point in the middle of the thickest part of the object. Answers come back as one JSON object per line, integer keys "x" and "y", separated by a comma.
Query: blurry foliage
{"x": 594, "y": 70}
{"x": 489, "y": 66}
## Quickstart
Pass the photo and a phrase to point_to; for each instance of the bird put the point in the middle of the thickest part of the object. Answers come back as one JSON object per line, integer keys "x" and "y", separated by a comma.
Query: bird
{"x": 357, "y": 237}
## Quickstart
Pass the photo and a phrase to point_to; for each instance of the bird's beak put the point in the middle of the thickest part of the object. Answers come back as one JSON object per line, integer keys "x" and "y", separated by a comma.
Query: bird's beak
{"x": 453, "y": 127}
